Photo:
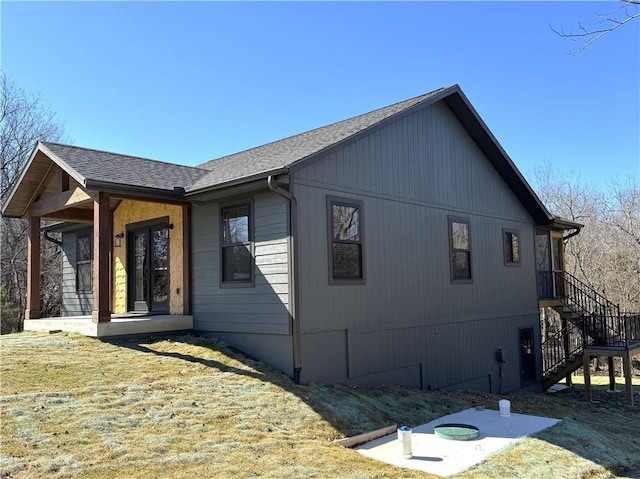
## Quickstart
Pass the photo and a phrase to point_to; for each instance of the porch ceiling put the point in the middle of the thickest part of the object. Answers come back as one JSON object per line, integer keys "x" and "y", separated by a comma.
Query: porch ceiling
{"x": 34, "y": 191}
{"x": 30, "y": 182}
{"x": 78, "y": 209}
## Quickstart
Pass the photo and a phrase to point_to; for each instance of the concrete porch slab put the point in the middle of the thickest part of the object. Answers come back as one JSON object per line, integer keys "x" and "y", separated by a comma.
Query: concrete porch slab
{"x": 119, "y": 325}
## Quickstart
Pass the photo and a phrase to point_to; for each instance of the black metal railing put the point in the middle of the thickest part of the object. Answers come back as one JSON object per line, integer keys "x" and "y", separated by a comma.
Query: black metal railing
{"x": 581, "y": 297}
{"x": 594, "y": 321}
{"x": 609, "y": 331}
{"x": 632, "y": 327}
{"x": 558, "y": 348}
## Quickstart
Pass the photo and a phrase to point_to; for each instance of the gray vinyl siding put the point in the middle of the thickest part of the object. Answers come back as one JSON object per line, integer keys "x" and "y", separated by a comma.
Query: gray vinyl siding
{"x": 411, "y": 175}
{"x": 262, "y": 309}
{"x": 427, "y": 157}
{"x": 74, "y": 303}
{"x": 457, "y": 355}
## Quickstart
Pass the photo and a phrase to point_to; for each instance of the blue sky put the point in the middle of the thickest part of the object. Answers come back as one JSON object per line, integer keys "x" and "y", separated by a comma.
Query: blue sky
{"x": 189, "y": 82}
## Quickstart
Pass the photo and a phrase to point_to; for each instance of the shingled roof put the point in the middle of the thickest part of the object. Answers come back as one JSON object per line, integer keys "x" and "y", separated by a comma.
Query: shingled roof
{"x": 94, "y": 166}
{"x": 284, "y": 153}
{"x": 113, "y": 172}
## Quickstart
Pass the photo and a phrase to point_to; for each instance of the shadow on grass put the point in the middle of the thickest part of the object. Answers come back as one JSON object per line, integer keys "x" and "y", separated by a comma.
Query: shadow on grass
{"x": 348, "y": 409}
{"x": 140, "y": 344}
{"x": 604, "y": 431}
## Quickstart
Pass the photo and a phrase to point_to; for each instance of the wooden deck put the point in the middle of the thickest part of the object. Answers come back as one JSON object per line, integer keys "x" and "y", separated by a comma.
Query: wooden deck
{"x": 623, "y": 350}
{"x": 120, "y": 324}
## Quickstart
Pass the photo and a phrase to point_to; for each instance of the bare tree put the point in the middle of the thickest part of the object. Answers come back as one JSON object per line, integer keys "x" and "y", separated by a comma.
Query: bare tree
{"x": 622, "y": 217}
{"x": 24, "y": 119}
{"x": 608, "y": 22}
{"x": 606, "y": 253}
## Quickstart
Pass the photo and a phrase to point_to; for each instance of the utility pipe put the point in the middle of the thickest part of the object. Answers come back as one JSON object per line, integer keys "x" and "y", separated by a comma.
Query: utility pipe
{"x": 292, "y": 215}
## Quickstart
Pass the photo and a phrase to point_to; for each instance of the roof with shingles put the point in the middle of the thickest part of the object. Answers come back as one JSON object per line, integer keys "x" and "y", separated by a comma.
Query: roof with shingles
{"x": 113, "y": 168}
{"x": 283, "y": 153}
{"x": 106, "y": 171}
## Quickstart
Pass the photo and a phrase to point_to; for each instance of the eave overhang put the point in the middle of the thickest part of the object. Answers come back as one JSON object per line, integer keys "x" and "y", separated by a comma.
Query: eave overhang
{"x": 26, "y": 189}
{"x": 478, "y": 130}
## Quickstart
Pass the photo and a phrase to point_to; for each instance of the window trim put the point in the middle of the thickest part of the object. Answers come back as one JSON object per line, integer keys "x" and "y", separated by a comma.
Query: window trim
{"x": 349, "y": 202}
{"x": 250, "y": 283}
{"x": 84, "y": 262}
{"x": 459, "y": 219}
{"x": 512, "y": 232}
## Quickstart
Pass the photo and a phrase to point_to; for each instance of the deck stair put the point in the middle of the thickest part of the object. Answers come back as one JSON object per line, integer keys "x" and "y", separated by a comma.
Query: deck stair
{"x": 589, "y": 321}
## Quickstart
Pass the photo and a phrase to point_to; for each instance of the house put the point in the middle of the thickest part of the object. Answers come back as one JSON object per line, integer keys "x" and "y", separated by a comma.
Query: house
{"x": 397, "y": 247}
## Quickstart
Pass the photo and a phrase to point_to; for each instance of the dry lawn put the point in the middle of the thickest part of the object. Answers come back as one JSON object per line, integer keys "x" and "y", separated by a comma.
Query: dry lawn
{"x": 188, "y": 407}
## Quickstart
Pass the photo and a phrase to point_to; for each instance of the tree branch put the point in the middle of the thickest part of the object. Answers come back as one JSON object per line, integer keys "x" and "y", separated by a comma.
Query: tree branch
{"x": 630, "y": 11}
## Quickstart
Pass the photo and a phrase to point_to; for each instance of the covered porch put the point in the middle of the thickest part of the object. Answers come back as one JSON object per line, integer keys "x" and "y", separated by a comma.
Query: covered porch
{"x": 118, "y": 325}
{"x": 127, "y": 265}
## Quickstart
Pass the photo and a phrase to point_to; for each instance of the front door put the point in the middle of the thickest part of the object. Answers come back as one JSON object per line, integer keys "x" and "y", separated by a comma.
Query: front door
{"x": 527, "y": 357}
{"x": 149, "y": 268}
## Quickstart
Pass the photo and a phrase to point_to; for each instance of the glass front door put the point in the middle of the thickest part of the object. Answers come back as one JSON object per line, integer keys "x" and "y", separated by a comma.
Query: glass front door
{"x": 149, "y": 269}
{"x": 159, "y": 269}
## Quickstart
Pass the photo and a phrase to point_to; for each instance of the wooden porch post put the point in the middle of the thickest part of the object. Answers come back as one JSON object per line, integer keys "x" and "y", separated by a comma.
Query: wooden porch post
{"x": 101, "y": 266}
{"x": 186, "y": 259}
{"x": 32, "y": 310}
{"x": 586, "y": 367}
{"x": 628, "y": 382}
{"x": 612, "y": 375}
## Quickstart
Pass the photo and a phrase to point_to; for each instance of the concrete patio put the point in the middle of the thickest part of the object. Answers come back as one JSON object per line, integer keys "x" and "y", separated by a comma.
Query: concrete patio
{"x": 445, "y": 457}
{"x": 120, "y": 324}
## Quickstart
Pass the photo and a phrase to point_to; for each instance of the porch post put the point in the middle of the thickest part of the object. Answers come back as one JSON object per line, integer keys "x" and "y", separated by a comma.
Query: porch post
{"x": 628, "y": 382}
{"x": 612, "y": 375}
{"x": 586, "y": 367}
{"x": 101, "y": 267}
{"x": 186, "y": 259}
{"x": 32, "y": 310}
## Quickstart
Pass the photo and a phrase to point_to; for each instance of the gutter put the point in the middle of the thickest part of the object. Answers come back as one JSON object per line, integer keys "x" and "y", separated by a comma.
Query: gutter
{"x": 177, "y": 194}
{"x": 566, "y": 225}
{"x": 571, "y": 235}
{"x": 292, "y": 213}
{"x": 50, "y": 239}
{"x": 239, "y": 181}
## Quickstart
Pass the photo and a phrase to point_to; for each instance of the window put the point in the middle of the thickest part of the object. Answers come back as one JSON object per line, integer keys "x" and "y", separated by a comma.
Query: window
{"x": 460, "y": 243}
{"x": 345, "y": 241}
{"x": 511, "y": 247}
{"x": 236, "y": 245}
{"x": 84, "y": 271}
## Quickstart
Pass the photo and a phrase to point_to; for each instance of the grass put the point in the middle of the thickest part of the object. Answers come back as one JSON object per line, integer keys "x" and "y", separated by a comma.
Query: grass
{"x": 602, "y": 382}
{"x": 189, "y": 407}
